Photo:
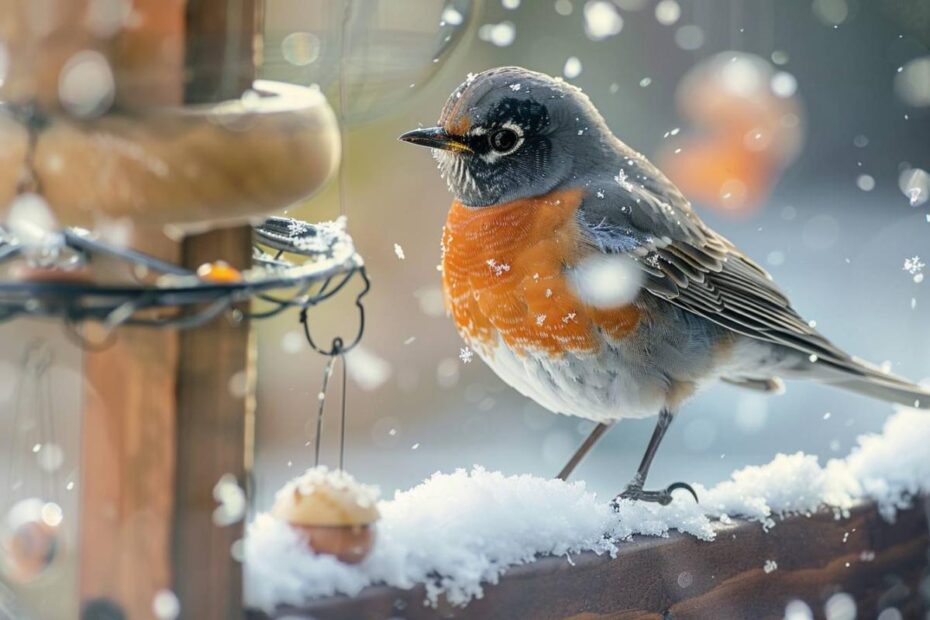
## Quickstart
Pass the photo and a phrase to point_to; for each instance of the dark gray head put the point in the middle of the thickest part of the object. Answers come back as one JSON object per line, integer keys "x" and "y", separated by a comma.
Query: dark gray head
{"x": 510, "y": 133}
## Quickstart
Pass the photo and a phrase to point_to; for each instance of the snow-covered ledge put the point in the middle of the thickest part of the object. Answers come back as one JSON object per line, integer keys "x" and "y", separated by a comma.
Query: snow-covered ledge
{"x": 478, "y": 544}
{"x": 804, "y": 564}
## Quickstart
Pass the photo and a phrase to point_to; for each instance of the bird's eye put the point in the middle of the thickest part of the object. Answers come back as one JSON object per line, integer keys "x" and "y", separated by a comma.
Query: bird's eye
{"x": 504, "y": 140}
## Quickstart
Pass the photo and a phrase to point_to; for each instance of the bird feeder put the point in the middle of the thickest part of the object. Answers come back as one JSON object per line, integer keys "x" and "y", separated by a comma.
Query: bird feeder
{"x": 136, "y": 143}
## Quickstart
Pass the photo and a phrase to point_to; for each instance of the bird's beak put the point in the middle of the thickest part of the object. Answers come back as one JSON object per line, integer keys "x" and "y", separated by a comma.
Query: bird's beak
{"x": 435, "y": 138}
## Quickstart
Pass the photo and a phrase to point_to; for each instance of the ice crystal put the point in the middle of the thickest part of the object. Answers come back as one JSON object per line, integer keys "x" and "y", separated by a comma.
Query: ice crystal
{"x": 623, "y": 181}
{"x": 913, "y": 265}
{"x": 466, "y": 355}
{"x": 498, "y": 268}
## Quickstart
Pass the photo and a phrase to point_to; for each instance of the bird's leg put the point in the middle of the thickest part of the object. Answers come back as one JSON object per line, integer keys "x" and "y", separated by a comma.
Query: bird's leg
{"x": 582, "y": 450}
{"x": 634, "y": 490}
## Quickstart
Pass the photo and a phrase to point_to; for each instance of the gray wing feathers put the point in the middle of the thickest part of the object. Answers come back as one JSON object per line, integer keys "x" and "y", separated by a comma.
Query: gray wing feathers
{"x": 689, "y": 265}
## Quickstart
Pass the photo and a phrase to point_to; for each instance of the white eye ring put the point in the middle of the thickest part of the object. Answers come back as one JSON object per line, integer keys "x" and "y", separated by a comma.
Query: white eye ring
{"x": 494, "y": 154}
{"x": 513, "y": 128}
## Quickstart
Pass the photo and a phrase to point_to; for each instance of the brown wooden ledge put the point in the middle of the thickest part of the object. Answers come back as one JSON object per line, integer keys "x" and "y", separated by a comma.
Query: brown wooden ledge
{"x": 879, "y": 563}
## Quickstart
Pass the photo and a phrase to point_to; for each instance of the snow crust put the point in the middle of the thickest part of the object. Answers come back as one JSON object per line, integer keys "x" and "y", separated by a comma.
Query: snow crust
{"x": 457, "y": 531}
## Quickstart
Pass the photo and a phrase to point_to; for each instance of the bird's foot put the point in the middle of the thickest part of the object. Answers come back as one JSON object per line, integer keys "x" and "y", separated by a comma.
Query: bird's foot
{"x": 635, "y": 491}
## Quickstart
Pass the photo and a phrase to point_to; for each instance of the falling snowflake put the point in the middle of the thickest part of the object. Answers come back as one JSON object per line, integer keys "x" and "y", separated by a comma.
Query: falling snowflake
{"x": 498, "y": 268}
{"x": 572, "y": 68}
{"x": 399, "y": 251}
{"x": 913, "y": 265}
{"x": 623, "y": 181}
{"x": 540, "y": 319}
{"x": 600, "y": 194}
{"x": 548, "y": 293}
{"x": 913, "y": 195}
{"x": 568, "y": 317}
{"x": 770, "y": 566}
{"x": 466, "y": 354}
{"x": 514, "y": 87}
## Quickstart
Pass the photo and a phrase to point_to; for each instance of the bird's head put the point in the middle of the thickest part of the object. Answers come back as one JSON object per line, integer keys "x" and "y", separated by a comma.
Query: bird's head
{"x": 510, "y": 133}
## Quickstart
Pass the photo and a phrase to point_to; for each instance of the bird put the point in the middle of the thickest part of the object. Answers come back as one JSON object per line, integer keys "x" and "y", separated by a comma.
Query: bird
{"x": 550, "y": 208}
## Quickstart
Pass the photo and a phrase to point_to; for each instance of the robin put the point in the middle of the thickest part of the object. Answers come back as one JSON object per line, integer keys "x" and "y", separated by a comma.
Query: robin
{"x": 552, "y": 216}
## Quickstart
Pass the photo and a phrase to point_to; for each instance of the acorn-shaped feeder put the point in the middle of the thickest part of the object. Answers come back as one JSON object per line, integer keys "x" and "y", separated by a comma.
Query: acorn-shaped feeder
{"x": 335, "y": 512}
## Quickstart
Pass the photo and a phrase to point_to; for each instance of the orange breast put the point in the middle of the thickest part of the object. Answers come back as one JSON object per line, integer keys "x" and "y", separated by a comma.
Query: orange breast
{"x": 504, "y": 273}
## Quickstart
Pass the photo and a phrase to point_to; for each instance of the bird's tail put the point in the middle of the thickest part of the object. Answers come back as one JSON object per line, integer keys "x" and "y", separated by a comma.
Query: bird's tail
{"x": 864, "y": 378}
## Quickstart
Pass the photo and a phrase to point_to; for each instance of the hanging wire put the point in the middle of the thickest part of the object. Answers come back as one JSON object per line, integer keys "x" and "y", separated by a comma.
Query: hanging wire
{"x": 327, "y": 373}
{"x": 338, "y": 349}
{"x": 338, "y": 346}
{"x": 342, "y": 425}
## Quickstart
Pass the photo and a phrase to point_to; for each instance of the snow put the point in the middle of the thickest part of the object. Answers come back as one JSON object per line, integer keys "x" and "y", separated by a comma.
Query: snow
{"x": 501, "y": 35}
{"x": 466, "y": 355}
{"x": 601, "y": 20}
{"x": 913, "y": 265}
{"x": 606, "y": 281}
{"x": 572, "y": 68}
{"x": 623, "y": 181}
{"x": 457, "y": 531}
{"x": 367, "y": 369}
{"x": 499, "y": 269}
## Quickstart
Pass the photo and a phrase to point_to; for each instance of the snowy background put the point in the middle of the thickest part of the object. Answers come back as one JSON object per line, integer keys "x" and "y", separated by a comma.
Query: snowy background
{"x": 835, "y": 233}
{"x": 836, "y": 249}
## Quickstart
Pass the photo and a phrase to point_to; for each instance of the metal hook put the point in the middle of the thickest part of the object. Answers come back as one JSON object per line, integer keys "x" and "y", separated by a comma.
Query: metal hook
{"x": 338, "y": 347}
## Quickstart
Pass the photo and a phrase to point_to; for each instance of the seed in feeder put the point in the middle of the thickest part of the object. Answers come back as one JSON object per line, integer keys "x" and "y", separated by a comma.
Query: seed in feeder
{"x": 335, "y": 513}
{"x": 219, "y": 272}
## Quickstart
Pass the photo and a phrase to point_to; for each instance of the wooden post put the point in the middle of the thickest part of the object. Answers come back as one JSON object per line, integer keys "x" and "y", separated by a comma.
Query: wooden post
{"x": 129, "y": 422}
{"x": 167, "y": 415}
{"x": 215, "y": 403}
{"x": 216, "y": 368}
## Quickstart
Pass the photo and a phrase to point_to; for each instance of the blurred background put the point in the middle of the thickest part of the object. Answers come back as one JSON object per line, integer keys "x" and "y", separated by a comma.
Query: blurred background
{"x": 800, "y": 129}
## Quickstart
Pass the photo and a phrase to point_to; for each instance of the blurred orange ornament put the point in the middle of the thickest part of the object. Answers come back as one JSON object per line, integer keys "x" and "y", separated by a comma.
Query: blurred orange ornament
{"x": 219, "y": 272}
{"x": 31, "y": 539}
{"x": 747, "y": 129}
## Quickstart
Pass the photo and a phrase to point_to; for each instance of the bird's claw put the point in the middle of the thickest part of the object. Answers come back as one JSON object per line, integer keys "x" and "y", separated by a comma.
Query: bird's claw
{"x": 635, "y": 492}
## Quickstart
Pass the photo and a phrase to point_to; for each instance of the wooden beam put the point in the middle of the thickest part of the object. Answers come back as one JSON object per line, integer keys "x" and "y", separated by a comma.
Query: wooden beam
{"x": 128, "y": 426}
{"x": 215, "y": 399}
{"x": 216, "y": 372}
{"x": 127, "y": 472}
{"x": 879, "y": 563}
{"x": 160, "y": 423}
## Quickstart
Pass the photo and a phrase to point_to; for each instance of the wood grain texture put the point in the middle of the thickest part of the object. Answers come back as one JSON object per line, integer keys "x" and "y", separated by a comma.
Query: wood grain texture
{"x": 215, "y": 397}
{"x": 680, "y": 577}
{"x": 216, "y": 371}
{"x": 127, "y": 462}
{"x": 128, "y": 434}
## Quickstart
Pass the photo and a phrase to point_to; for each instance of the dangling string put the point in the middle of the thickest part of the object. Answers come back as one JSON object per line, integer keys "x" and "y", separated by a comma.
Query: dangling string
{"x": 338, "y": 349}
{"x": 327, "y": 373}
{"x": 342, "y": 425}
